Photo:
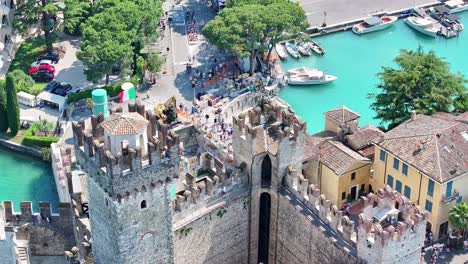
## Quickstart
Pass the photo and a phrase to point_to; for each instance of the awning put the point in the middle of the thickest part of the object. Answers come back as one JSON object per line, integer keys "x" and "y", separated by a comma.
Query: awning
{"x": 58, "y": 100}
{"x": 372, "y": 20}
{"x": 454, "y": 3}
{"x": 453, "y": 17}
{"x": 442, "y": 9}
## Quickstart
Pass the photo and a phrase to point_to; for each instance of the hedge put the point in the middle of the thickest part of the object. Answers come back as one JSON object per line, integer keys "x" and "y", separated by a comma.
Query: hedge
{"x": 112, "y": 90}
{"x": 31, "y": 140}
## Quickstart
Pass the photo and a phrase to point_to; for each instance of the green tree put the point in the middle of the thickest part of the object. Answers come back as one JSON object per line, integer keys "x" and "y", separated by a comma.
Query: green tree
{"x": 12, "y": 104}
{"x": 75, "y": 14}
{"x": 458, "y": 217}
{"x": 3, "y": 108}
{"x": 239, "y": 29}
{"x": 286, "y": 19}
{"x": 23, "y": 81}
{"x": 423, "y": 83}
{"x": 105, "y": 42}
{"x": 154, "y": 61}
{"x": 29, "y": 12}
{"x": 43, "y": 126}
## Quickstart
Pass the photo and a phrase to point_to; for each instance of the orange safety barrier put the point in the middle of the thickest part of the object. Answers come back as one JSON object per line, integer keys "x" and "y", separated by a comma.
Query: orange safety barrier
{"x": 220, "y": 74}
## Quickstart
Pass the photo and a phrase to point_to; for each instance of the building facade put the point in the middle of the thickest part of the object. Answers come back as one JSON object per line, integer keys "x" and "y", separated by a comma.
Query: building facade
{"x": 426, "y": 160}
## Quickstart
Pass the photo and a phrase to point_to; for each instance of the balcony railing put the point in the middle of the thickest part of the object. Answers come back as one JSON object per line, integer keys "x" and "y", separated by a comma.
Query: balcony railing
{"x": 447, "y": 199}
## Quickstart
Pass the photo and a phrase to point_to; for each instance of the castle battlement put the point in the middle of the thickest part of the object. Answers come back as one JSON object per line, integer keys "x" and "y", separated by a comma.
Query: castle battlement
{"x": 26, "y": 211}
{"x": 278, "y": 120}
{"x": 206, "y": 179}
{"x": 318, "y": 203}
{"x": 388, "y": 216}
{"x": 125, "y": 146}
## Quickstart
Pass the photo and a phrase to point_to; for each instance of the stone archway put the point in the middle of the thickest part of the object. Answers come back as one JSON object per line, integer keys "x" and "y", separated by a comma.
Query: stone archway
{"x": 264, "y": 228}
{"x": 266, "y": 172}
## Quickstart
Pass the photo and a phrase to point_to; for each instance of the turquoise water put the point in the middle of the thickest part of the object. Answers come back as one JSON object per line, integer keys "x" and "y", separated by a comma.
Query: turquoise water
{"x": 25, "y": 179}
{"x": 356, "y": 60}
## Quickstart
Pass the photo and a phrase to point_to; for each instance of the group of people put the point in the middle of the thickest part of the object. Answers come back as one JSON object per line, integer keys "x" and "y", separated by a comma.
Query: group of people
{"x": 39, "y": 219}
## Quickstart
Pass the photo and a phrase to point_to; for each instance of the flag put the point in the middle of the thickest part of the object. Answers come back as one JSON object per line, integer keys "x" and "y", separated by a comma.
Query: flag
{"x": 128, "y": 93}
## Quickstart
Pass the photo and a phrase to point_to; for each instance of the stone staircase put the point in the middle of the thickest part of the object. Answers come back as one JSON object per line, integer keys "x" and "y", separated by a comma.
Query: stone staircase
{"x": 22, "y": 256}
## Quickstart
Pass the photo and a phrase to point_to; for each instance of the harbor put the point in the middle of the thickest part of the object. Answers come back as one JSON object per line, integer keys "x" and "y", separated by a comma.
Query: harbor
{"x": 373, "y": 50}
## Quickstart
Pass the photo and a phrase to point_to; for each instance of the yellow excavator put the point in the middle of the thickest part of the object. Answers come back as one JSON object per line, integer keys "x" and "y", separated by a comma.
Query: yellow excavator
{"x": 167, "y": 111}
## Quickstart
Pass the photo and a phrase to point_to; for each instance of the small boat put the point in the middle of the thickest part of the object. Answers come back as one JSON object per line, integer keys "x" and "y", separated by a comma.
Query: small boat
{"x": 422, "y": 25}
{"x": 309, "y": 76}
{"x": 372, "y": 24}
{"x": 281, "y": 51}
{"x": 304, "y": 49}
{"x": 315, "y": 47}
{"x": 292, "y": 50}
{"x": 456, "y": 6}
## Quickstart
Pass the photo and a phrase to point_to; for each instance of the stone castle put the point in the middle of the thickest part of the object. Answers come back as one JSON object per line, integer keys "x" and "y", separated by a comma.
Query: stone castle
{"x": 162, "y": 194}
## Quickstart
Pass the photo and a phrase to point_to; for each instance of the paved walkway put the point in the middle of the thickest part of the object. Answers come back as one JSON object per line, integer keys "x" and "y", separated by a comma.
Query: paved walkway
{"x": 339, "y": 11}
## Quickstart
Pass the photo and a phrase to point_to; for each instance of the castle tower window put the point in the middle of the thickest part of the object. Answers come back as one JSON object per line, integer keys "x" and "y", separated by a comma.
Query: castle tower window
{"x": 266, "y": 171}
{"x": 143, "y": 204}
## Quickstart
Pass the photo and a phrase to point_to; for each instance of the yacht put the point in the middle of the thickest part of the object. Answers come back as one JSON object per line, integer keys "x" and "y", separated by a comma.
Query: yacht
{"x": 281, "y": 51}
{"x": 292, "y": 50}
{"x": 423, "y": 25}
{"x": 309, "y": 76}
{"x": 373, "y": 24}
{"x": 456, "y": 6}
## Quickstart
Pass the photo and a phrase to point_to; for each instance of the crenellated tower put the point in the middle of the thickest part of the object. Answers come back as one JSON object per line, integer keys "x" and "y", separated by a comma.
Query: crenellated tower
{"x": 131, "y": 159}
{"x": 391, "y": 229}
{"x": 269, "y": 140}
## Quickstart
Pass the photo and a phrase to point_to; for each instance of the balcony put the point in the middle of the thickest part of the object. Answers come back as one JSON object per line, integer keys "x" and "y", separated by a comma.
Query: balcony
{"x": 453, "y": 197}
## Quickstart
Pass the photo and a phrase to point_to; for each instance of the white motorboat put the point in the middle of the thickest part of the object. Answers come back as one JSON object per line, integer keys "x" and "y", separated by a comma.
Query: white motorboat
{"x": 372, "y": 24}
{"x": 281, "y": 51}
{"x": 456, "y": 6}
{"x": 291, "y": 49}
{"x": 309, "y": 76}
{"x": 304, "y": 49}
{"x": 315, "y": 47}
{"x": 422, "y": 25}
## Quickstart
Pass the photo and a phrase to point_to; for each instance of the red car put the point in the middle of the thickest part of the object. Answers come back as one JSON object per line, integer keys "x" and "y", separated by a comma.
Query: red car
{"x": 42, "y": 67}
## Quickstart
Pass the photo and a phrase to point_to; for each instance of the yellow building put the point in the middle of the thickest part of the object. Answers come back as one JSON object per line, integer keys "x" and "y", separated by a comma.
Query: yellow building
{"x": 426, "y": 159}
{"x": 343, "y": 173}
{"x": 338, "y": 159}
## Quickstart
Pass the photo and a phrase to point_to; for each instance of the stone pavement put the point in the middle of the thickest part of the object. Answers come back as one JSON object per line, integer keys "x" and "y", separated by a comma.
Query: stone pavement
{"x": 48, "y": 260}
{"x": 176, "y": 82}
{"x": 454, "y": 257}
{"x": 340, "y": 11}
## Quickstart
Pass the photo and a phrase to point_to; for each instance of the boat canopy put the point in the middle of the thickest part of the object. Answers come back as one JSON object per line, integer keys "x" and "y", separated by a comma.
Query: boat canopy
{"x": 454, "y": 3}
{"x": 442, "y": 9}
{"x": 372, "y": 21}
{"x": 313, "y": 73}
{"x": 452, "y": 17}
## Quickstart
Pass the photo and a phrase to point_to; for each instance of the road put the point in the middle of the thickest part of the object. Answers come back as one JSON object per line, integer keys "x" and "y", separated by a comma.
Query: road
{"x": 339, "y": 11}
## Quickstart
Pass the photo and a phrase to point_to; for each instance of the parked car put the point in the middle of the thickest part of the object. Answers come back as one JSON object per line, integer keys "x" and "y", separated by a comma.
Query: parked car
{"x": 53, "y": 56}
{"x": 36, "y": 63}
{"x": 62, "y": 89}
{"x": 43, "y": 76}
{"x": 51, "y": 86}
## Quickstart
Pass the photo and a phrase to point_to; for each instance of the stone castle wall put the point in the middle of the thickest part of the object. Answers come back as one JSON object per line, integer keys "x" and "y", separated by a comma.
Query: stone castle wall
{"x": 221, "y": 235}
{"x": 304, "y": 239}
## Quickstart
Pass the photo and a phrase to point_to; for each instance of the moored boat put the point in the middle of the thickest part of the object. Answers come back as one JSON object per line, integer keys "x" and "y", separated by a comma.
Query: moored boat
{"x": 372, "y": 24}
{"x": 281, "y": 51}
{"x": 304, "y": 49}
{"x": 422, "y": 25}
{"x": 292, "y": 50}
{"x": 315, "y": 47}
{"x": 456, "y": 6}
{"x": 309, "y": 76}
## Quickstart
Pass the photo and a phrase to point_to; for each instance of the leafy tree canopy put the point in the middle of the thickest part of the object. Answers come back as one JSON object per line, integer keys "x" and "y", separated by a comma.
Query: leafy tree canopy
{"x": 3, "y": 108}
{"x": 12, "y": 104}
{"x": 423, "y": 83}
{"x": 75, "y": 14}
{"x": 458, "y": 216}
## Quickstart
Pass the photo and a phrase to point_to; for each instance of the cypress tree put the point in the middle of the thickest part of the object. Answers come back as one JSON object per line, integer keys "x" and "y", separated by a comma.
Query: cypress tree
{"x": 12, "y": 104}
{"x": 3, "y": 108}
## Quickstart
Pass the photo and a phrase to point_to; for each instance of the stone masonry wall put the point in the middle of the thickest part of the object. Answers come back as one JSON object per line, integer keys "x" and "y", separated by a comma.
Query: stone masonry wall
{"x": 219, "y": 236}
{"x": 303, "y": 240}
{"x": 45, "y": 242}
